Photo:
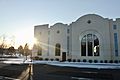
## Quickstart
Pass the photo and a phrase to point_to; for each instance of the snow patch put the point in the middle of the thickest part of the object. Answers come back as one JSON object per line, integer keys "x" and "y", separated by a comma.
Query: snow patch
{"x": 64, "y": 64}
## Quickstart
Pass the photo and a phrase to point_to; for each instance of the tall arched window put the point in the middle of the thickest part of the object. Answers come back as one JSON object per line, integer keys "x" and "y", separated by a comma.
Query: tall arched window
{"x": 39, "y": 52}
{"x": 83, "y": 46}
{"x": 90, "y": 45}
{"x": 57, "y": 49}
{"x": 96, "y": 45}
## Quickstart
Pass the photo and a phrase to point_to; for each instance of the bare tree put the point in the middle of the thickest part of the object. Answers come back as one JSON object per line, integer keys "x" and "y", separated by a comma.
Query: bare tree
{"x": 21, "y": 50}
{"x": 11, "y": 50}
{"x": 3, "y": 46}
{"x": 26, "y": 50}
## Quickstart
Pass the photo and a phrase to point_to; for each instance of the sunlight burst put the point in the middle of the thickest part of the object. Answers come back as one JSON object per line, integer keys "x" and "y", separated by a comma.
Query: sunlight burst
{"x": 24, "y": 37}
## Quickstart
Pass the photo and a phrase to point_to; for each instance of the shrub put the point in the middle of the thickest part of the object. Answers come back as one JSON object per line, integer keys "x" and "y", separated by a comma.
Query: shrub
{"x": 69, "y": 60}
{"x": 105, "y": 61}
{"x": 46, "y": 59}
{"x": 57, "y": 59}
{"x": 74, "y": 60}
{"x": 78, "y": 60}
{"x": 84, "y": 60}
{"x": 111, "y": 61}
{"x": 40, "y": 58}
{"x": 33, "y": 58}
{"x": 116, "y": 61}
{"x": 95, "y": 61}
{"x": 51, "y": 59}
{"x": 90, "y": 61}
{"x": 101, "y": 61}
{"x": 36, "y": 58}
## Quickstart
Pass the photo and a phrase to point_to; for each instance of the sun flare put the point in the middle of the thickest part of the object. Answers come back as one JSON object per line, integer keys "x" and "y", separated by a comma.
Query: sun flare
{"x": 24, "y": 37}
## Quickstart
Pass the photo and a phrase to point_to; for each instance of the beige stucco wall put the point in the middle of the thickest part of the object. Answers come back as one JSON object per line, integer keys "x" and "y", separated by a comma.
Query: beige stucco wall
{"x": 101, "y": 27}
{"x": 98, "y": 25}
{"x": 58, "y": 38}
{"x": 41, "y": 35}
{"x": 117, "y": 23}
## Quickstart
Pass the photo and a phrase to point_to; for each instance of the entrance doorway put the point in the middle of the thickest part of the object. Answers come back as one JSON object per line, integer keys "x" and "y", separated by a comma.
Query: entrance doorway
{"x": 63, "y": 56}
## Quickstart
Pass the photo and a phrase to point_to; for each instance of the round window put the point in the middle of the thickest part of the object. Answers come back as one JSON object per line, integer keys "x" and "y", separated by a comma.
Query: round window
{"x": 58, "y": 31}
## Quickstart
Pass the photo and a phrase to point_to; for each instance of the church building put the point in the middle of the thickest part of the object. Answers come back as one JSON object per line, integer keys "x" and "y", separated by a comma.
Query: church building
{"x": 91, "y": 37}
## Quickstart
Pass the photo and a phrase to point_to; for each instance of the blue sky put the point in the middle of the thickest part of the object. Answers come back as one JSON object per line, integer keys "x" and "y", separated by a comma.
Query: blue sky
{"x": 18, "y": 17}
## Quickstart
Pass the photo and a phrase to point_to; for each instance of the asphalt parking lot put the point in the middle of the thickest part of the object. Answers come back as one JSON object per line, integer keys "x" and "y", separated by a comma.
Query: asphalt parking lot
{"x": 49, "y": 72}
{"x": 14, "y": 71}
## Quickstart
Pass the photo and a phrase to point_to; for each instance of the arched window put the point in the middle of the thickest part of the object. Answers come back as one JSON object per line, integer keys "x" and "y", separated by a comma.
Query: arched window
{"x": 90, "y": 45}
{"x": 57, "y": 49}
{"x": 83, "y": 46}
{"x": 39, "y": 52}
{"x": 96, "y": 45}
